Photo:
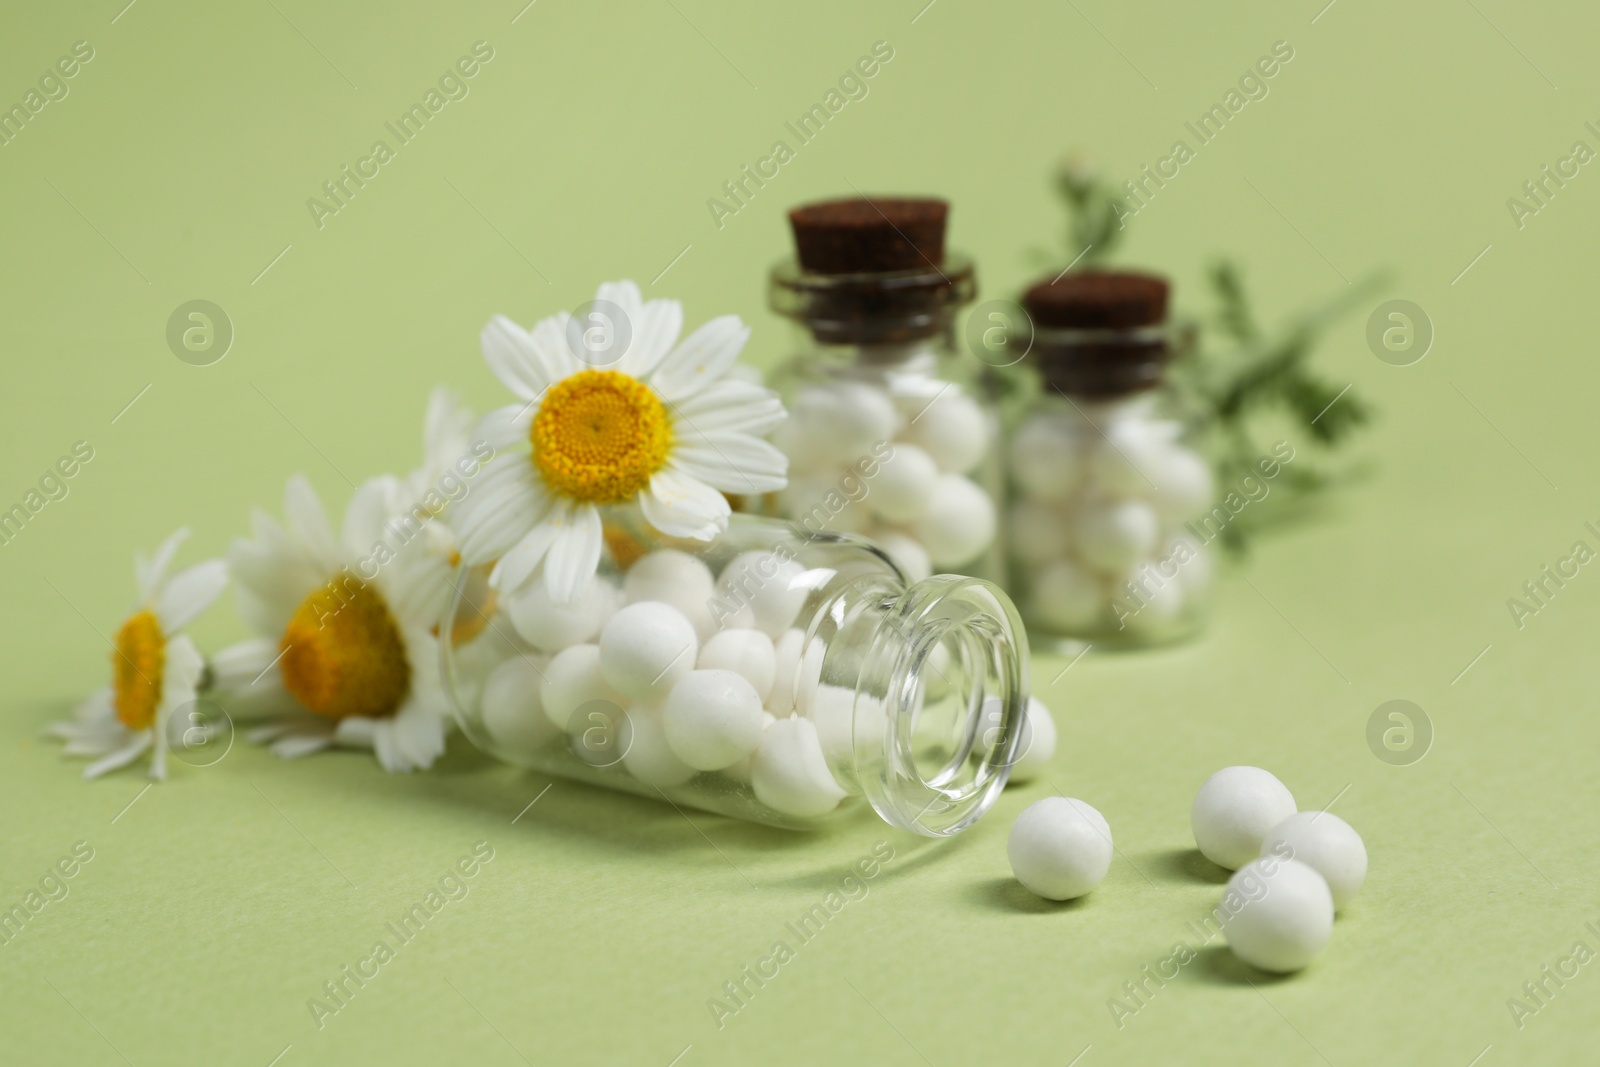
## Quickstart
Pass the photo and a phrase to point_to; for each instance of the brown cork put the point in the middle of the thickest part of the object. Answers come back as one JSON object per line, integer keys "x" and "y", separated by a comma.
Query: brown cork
{"x": 868, "y": 235}
{"x": 1121, "y": 349}
{"x": 1098, "y": 300}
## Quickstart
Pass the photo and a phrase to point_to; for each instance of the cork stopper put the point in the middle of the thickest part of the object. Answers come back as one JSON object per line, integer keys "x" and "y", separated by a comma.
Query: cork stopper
{"x": 1099, "y": 334}
{"x": 1099, "y": 300}
{"x": 872, "y": 271}
{"x": 866, "y": 235}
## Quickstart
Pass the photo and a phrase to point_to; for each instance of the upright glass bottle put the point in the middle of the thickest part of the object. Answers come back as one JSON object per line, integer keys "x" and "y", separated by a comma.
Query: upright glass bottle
{"x": 888, "y": 434}
{"x": 1101, "y": 482}
{"x": 798, "y": 675}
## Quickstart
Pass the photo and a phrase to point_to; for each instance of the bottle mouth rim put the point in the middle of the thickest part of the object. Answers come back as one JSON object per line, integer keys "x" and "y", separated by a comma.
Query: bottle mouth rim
{"x": 942, "y": 790}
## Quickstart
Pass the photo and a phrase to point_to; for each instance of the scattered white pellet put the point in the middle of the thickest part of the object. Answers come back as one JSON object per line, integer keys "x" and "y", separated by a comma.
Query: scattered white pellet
{"x": 1067, "y": 597}
{"x": 1127, "y": 459}
{"x": 840, "y": 422}
{"x": 600, "y": 736}
{"x": 571, "y": 680}
{"x": 552, "y": 627}
{"x": 1046, "y": 459}
{"x": 1277, "y": 914}
{"x": 646, "y": 753}
{"x": 959, "y": 522}
{"x": 902, "y": 490}
{"x": 748, "y": 652}
{"x": 1233, "y": 811}
{"x": 789, "y": 772}
{"x": 1039, "y": 532}
{"x": 511, "y": 709}
{"x": 712, "y": 719}
{"x": 645, "y": 648}
{"x": 786, "y": 667}
{"x": 1113, "y": 535}
{"x": 1038, "y": 743}
{"x": 1183, "y": 485}
{"x": 1327, "y": 844}
{"x": 1060, "y": 848}
{"x": 907, "y": 553}
{"x": 769, "y": 584}
{"x": 952, "y": 429}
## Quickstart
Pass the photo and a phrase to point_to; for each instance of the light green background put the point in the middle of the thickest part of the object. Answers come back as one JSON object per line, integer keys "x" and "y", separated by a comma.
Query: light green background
{"x": 179, "y": 167}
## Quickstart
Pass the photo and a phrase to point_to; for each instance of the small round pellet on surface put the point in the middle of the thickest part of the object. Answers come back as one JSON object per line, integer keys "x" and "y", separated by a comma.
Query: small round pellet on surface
{"x": 1060, "y": 848}
{"x": 1277, "y": 914}
{"x": 1325, "y": 842}
{"x": 1233, "y": 811}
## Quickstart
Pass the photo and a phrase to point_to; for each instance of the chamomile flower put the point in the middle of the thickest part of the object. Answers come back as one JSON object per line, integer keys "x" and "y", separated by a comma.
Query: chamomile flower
{"x": 660, "y": 422}
{"x": 155, "y": 668}
{"x": 346, "y": 625}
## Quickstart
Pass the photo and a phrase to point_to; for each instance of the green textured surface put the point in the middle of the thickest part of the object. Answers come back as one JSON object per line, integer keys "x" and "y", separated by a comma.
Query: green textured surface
{"x": 218, "y": 903}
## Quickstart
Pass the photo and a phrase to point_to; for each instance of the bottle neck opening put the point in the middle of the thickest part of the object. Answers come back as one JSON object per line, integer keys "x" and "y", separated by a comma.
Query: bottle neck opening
{"x": 940, "y": 705}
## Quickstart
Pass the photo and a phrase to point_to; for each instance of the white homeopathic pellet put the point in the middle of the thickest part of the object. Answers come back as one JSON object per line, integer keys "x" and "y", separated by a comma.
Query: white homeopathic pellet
{"x": 571, "y": 680}
{"x": 1326, "y": 843}
{"x": 1046, "y": 460}
{"x": 552, "y": 627}
{"x": 952, "y": 429}
{"x": 1233, "y": 811}
{"x": 1039, "y": 533}
{"x": 712, "y": 719}
{"x": 1060, "y": 848}
{"x": 1113, "y": 535}
{"x": 1038, "y": 743}
{"x": 907, "y": 554}
{"x": 646, "y": 753}
{"x": 789, "y": 772}
{"x": 769, "y": 585}
{"x": 749, "y": 652}
{"x": 645, "y": 648}
{"x": 903, "y": 488}
{"x": 675, "y": 578}
{"x": 1067, "y": 597}
{"x": 1277, "y": 913}
{"x": 959, "y": 522}
{"x": 511, "y": 709}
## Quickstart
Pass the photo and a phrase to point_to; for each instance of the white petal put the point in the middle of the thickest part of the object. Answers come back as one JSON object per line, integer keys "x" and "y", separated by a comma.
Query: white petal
{"x": 355, "y": 731}
{"x": 574, "y": 555}
{"x": 519, "y": 563}
{"x": 410, "y": 741}
{"x": 296, "y": 745}
{"x": 374, "y": 502}
{"x": 180, "y": 674}
{"x": 308, "y": 524}
{"x": 702, "y": 358}
{"x": 506, "y": 426}
{"x": 654, "y": 334}
{"x": 512, "y": 357}
{"x": 149, "y": 573}
{"x": 137, "y": 742}
{"x": 681, "y": 506}
{"x": 626, "y": 301}
{"x": 500, "y": 509}
{"x": 733, "y": 405}
{"x": 239, "y": 665}
{"x": 444, "y": 426}
{"x": 418, "y": 587}
{"x": 189, "y": 593}
{"x": 733, "y": 462}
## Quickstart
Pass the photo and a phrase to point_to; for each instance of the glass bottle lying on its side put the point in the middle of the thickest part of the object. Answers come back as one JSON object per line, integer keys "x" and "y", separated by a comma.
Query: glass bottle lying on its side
{"x": 772, "y": 674}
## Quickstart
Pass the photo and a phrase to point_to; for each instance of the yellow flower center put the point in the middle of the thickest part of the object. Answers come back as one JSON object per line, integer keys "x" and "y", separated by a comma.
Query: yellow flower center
{"x": 342, "y": 653}
{"x": 136, "y": 668}
{"x": 600, "y": 435}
